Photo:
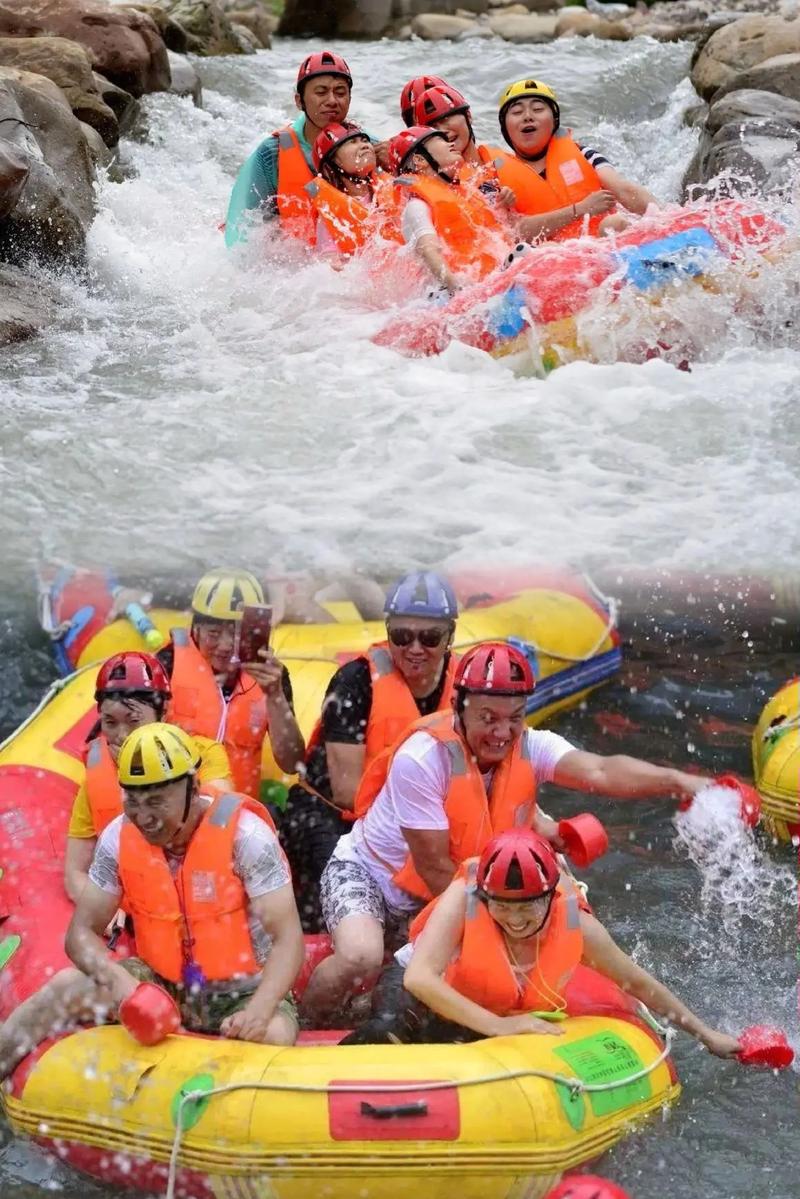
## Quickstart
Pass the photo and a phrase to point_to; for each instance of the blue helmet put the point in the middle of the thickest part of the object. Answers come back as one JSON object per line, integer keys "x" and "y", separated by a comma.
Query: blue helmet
{"x": 422, "y": 593}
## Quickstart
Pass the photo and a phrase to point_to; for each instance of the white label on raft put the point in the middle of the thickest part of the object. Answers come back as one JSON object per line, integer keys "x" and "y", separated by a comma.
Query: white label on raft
{"x": 571, "y": 171}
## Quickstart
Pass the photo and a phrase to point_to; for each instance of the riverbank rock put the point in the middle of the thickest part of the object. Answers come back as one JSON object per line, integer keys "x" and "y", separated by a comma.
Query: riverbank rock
{"x": 185, "y": 80}
{"x": 124, "y": 106}
{"x": 745, "y": 104}
{"x": 207, "y": 25}
{"x": 173, "y": 35}
{"x": 523, "y": 27}
{"x": 123, "y": 44}
{"x": 757, "y": 155}
{"x": 68, "y": 65}
{"x": 337, "y": 18}
{"x": 99, "y": 152}
{"x": 54, "y": 210}
{"x": 261, "y": 23}
{"x": 740, "y": 46}
{"x": 577, "y": 22}
{"x": 780, "y": 75}
{"x": 26, "y": 305}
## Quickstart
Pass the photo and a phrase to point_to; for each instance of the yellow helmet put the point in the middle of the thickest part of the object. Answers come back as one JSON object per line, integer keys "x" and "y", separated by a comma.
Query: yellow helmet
{"x": 155, "y": 754}
{"x": 527, "y": 87}
{"x": 220, "y": 594}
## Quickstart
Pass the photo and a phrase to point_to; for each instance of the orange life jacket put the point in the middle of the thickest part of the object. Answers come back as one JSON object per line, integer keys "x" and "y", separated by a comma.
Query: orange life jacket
{"x": 393, "y": 707}
{"x": 473, "y": 817}
{"x": 350, "y": 222}
{"x": 568, "y": 179}
{"x": 200, "y": 915}
{"x": 294, "y": 206}
{"x": 198, "y": 706}
{"x": 102, "y": 785}
{"x": 471, "y": 235}
{"x": 482, "y": 970}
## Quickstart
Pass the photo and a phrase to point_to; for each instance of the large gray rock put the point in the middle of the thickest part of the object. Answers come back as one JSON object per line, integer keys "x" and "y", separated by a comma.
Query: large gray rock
{"x": 26, "y": 305}
{"x": 208, "y": 27}
{"x": 99, "y": 152}
{"x": 123, "y": 45}
{"x": 185, "y": 80}
{"x": 754, "y": 155}
{"x": 69, "y": 66}
{"x": 532, "y": 27}
{"x": 780, "y": 74}
{"x": 412, "y": 8}
{"x": 339, "y": 18}
{"x": 260, "y": 22}
{"x": 14, "y": 171}
{"x": 173, "y": 35}
{"x": 745, "y": 103}
{"x": 53, "y": 213}
{"x": 739, "y": 46}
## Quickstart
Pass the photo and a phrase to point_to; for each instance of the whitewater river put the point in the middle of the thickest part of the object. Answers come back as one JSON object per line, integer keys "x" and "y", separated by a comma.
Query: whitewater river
{"x": 192, "y": 407}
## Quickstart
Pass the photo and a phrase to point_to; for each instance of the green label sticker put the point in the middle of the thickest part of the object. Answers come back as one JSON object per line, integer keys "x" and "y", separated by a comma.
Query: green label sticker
{"x": 193, "y": 1110}
{"x": 604, "y": 1058}
{"x": 8, "y": 947}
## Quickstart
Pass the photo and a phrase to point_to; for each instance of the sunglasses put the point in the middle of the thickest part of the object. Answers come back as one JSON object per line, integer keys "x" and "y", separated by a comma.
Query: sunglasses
{"x": 428, "y": 638}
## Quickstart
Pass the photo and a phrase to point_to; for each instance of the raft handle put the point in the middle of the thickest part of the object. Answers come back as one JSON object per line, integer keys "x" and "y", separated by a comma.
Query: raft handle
{"x": 420, "y": 1108}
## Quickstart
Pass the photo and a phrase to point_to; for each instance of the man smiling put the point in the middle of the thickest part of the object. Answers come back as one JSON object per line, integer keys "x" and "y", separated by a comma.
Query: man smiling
{"x": 454, "y": 781}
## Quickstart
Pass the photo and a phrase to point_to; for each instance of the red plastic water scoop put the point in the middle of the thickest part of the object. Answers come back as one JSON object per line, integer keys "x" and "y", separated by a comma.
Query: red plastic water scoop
{"x": 586, "y": 1186}
{"x": 584, "y": 838}
{"x": 749, "y": 799}
{"x": 149, "y": 1014}
{"x": 765, "y": 1046}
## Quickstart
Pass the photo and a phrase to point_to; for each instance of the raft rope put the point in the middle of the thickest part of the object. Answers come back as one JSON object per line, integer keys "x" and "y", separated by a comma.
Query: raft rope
{"x": 52, "y": 691}
{"x": 574, "y": 1085}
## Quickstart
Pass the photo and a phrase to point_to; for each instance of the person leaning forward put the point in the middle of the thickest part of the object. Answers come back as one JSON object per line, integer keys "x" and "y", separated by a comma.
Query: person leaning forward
{"x": 178, "y": 859}
{"x": 451, "y": 783}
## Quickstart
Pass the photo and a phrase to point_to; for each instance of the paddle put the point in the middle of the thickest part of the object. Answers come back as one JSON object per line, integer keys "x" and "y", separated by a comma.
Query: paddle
{"x": 765, "y": 1047}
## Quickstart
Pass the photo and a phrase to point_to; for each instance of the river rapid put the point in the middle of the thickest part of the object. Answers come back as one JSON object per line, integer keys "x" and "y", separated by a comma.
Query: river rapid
{"x": 192, "y": 406}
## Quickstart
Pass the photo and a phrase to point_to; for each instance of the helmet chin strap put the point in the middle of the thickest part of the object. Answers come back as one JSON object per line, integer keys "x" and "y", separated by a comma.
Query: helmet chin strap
{"x": 433, "y": 164}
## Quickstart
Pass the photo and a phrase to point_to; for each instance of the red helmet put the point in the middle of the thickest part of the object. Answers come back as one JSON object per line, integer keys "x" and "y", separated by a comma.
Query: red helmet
{"x": 517, "y": 865}
{"x": 408, "y": 142}
{"x": 331, "y": 138}
{"x": 411, "y": 92}
{"x": 132, "y": 671}
{"x": 438, "y": 102}
{"x": 324, "y": 62}
{"x": 587, "y": 1186}
{"x": 495, "y": 668}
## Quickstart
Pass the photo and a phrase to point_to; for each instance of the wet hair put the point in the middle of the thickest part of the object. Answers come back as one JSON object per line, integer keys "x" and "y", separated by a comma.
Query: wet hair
{"x": 154, "y": 699}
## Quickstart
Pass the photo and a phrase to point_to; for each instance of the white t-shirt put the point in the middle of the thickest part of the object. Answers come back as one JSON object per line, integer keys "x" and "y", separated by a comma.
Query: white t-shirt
{"x": 417, "y": 221}
{"x": 413, "y": 797}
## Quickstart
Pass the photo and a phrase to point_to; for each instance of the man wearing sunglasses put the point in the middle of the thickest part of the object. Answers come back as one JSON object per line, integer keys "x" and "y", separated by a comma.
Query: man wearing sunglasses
{"x": 453, "y": 782}
{"x": 369, "y": 703}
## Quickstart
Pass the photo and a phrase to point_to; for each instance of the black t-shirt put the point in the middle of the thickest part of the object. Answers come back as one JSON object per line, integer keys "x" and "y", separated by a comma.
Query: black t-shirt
{"x": 345, "y": 712}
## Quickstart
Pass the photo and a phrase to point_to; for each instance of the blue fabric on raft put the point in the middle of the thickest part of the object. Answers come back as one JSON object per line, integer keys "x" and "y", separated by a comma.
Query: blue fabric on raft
{"x": 656, "y": 263}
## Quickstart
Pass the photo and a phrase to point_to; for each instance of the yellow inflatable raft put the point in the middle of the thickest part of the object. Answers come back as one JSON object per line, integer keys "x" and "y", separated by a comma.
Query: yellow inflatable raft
{"x": 776, "y": 762}
{"x": 570, "y": 639}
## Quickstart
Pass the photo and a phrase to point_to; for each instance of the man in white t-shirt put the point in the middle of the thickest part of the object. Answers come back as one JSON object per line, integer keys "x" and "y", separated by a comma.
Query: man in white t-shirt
{"x": 455, "y": 781}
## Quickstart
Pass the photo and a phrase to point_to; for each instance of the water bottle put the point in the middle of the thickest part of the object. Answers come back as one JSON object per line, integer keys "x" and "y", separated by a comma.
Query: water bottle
{"x": 136, "y": 614}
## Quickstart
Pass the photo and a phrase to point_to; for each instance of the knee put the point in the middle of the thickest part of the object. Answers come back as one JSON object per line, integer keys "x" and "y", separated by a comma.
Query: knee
{"x": 281, "y": 1030}
{"x": 359, "y": 958}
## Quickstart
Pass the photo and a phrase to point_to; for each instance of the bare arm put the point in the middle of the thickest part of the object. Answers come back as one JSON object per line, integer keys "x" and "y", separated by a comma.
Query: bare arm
{"x": 288, "y": 744}
{"x": 424, "y": 976}
{"x": 77, "y": 860}
{"x": 345, "y": 767}
{"x": 430, "y": 251}
{"x": 602, "y": 953}
{"x": 94, "y": 909}
{"x": 632, "y": 196}
{"x": 277, "y": 913}
{"x": 624, "y": 777}
{"x": 547, "y": 223}
{"x": 430, "y": 853}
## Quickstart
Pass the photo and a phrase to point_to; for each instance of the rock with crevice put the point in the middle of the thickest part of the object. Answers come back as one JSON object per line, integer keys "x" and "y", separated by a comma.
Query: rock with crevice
{"x": 53, "y": 213}
{"x": 123, "y": 44}
{"x": 124, "y": 106}
{"x": 172, "y": 33}
{"x": 260, "y": 22}
{"x": 751, "y": 156}
{"x": 780, "y": 75}
{"x": 741, "y": 46}
{"x": 577, "y": 22}
{"x": 743, "y": 104}
{"x": 14, "y": 171}
{"x": 208, "y": 26}
{"x": 438, "y": 27}
{"x": 99, "y": 152}
{"x": 68, "y": 65}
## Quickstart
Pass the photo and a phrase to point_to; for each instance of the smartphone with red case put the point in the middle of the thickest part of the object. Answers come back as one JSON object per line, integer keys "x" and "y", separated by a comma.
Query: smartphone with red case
{"x": 253, "y": 633}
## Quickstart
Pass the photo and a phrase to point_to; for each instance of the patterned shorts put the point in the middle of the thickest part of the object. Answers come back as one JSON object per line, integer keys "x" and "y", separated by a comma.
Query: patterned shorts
{"x": 348, "y": 889}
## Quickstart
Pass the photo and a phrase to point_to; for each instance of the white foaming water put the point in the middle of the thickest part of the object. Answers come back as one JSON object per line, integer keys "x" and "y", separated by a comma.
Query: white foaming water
{"x": 194, "y": 404}
{"x": 740, "y": 883}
